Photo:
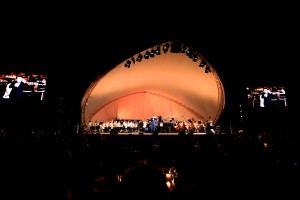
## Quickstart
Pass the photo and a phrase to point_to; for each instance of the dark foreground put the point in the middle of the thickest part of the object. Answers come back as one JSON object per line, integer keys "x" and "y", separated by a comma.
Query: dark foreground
{"x": 54, "y": 165}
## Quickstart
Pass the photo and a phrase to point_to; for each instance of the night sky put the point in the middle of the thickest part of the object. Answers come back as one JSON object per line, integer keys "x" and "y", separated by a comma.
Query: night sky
{"x": 253, "y": 48}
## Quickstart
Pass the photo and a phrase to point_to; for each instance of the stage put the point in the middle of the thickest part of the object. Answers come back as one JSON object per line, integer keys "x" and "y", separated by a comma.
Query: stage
{"x": 141, "y": 133}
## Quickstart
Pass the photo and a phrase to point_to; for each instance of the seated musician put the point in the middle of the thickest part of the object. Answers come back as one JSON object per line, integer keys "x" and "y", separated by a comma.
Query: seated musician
{"x": 281, "y": 95}
{"x": 190, "y": 127}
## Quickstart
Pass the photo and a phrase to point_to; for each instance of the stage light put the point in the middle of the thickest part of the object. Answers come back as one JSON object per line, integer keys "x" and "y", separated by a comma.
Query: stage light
{"x": 152, "y": 53}
{"x": 128, "y": 63}
{"x": 139, "y": 58}
{"x": 202, "y": 63}
{"x": 188, "y": 53}
{"x": 195, "y": 57}
{"x": 157, "y": 50}
{"x": 184, "y": 48}
{"x": 147, "y": 54}
{"x": 166, "y": 47}
{"x": 207, "y": 69}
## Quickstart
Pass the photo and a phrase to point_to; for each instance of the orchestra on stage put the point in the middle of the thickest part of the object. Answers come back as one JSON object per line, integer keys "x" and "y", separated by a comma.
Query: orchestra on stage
{"x": 151, "y": 125}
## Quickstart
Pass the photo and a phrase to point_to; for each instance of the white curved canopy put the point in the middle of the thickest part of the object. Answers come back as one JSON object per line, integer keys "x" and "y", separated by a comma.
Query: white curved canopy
{"x": 170, "y": 85}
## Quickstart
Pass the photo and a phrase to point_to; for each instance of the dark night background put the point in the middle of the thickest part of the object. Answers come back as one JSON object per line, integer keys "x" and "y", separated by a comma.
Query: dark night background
{"x": 250, "y": 46}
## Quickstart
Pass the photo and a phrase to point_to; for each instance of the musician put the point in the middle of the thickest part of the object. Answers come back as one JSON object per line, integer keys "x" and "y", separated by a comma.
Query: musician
{"x": 7, "y": 92}
{"x": 161, "y": 124}
{"x": 281, "y": 95}
{"x": 281, "y": 90}
{"x": 90, "y": 124}
{"x": 181, "y": 128}
{"x": 190, "y": 126}
{"x": 153, "y": 124}
{"x": 119, "y": 125}
{"x": 267, "y": 95}
{"x": 15, "y": 89}
{"x": 97, "y": 126}
{"x": 111, "y": 126}
{"x": 125, "y": 126}
{"x": 202, "y": 126}
{"x": 209, "y": 126}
